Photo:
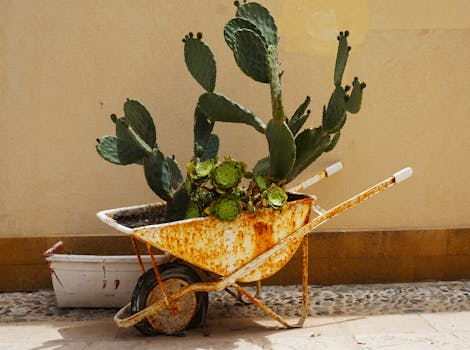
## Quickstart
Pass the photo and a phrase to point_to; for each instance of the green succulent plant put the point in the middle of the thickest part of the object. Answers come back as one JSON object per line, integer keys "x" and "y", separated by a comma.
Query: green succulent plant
{"x": 227, "y": 175}
{"x": 225, "y": 208}
{"x": 200, "y": 171}
{"x": 212, "y": 187}
{"x": 274, "y": 197}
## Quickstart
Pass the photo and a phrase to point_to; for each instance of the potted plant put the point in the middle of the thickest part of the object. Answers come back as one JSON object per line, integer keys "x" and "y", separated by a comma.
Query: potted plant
{"x": 210, "y": 186}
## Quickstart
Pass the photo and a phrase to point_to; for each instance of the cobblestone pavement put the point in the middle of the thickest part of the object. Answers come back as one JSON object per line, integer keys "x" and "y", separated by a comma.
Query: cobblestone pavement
{"x": 339, "y": 300}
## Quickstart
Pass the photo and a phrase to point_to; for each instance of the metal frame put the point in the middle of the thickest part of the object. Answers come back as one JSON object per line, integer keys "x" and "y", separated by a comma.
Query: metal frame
{"x": 231, "y": 280}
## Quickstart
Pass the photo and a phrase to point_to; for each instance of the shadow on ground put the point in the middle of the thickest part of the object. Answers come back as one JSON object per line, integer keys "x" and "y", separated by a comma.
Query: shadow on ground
{"x": 225, "y": 334}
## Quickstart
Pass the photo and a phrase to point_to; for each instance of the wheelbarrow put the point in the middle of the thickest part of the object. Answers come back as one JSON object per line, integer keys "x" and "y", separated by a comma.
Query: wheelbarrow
{"x": 172, "y": 297}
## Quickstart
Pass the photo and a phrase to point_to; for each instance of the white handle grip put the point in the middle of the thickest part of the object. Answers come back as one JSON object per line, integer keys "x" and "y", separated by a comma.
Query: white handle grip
{"x": 403, "y": 174}
{"x": 334, "y": 168}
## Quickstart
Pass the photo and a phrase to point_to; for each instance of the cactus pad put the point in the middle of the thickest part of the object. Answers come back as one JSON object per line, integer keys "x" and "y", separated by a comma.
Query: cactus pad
{"x": 310, "y": 144}
{"x": 333, "y": 142}
{"x": 353, "y": 103}
{"x": 219, "y": 108}
{"x": 299, "y": 117}
{"x": 200, "y": 62}
{"x": 235, "y": 24}
{"x": 115, "y": 151}
{"x": 202, "y": 131}
{"x": 140, "y": 120}
{"x": 262, "y": 167}
{"x": 175, "y": 173}
{"x": 211, "y": 149}
{"x": 341, "y": 57}
{"x": 261, "y": 18}
{"x": 281, "y": 148}
{"x": 251, "y": 55}
{"x": 158, "y": 175}
{"x": 335, "y": 114}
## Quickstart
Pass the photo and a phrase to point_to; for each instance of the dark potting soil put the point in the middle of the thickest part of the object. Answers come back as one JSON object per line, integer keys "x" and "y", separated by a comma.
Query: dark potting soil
{"x": 149, "y": 216}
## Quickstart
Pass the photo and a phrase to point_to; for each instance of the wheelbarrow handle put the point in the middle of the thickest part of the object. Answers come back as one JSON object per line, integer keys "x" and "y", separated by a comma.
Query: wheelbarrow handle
{"x": 329, "y": 171}
{"x": 52, "y": 250}
{"x": 403, "y": 174}
{"x": 327, "y": 215}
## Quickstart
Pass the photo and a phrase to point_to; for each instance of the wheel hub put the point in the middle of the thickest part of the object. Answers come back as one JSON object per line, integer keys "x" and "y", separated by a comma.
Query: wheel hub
{"x": 178, "y": 314}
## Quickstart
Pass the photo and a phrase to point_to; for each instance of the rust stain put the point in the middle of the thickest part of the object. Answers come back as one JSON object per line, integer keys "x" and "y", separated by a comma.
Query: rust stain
{"x": 223, "y": 247}
{"x": 116, "y": 284}
{"x": 104, "y": 277}
{"x": 263, "y": 237}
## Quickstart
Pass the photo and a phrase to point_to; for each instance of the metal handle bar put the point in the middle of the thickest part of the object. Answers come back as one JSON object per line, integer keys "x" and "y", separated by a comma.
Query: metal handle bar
{"x": 332, "y": 169}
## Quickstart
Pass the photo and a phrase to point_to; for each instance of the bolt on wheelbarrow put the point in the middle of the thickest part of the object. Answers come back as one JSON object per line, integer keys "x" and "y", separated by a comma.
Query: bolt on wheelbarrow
{"x": 172, "y": 297}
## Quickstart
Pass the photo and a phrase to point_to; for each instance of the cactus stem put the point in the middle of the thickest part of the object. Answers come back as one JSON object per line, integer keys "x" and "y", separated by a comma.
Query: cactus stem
{"x": 346, "y": 33}
{"x": 275, "y": 84}
{"x": 363, "y": 85}
{"x": 236, "y": 3}
{"x": 281, "y": 73}
{"x": 191, "y": 34}
{"x": 199, "y": 35}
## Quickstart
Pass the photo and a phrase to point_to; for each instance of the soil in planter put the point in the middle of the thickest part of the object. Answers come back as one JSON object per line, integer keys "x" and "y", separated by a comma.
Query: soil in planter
{"x": 153, "y": 215}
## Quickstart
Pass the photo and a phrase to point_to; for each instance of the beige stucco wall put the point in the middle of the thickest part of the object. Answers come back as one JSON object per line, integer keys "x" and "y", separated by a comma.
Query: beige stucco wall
{"x": 66, "y": 65}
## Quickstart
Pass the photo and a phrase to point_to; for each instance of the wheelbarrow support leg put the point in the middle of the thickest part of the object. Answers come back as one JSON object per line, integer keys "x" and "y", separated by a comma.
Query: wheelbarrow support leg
{"x": 258, "y": 289}
{"x": 263, "y": 307}
{"x": 303, "y": 316}
{"x": 270, "y": 312}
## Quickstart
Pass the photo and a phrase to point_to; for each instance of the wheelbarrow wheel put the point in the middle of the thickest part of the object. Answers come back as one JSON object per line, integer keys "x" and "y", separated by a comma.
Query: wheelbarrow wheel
{"x": 189, "y": 311}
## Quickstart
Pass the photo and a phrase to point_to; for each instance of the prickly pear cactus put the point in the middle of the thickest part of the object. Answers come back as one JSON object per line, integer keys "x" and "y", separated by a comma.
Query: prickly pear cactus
{"x": 212, "y": 187}
{"x": 252, "y": 35}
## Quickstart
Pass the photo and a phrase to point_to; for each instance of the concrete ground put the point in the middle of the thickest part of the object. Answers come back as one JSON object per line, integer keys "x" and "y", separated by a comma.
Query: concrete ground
{"x": 407, "y": 331}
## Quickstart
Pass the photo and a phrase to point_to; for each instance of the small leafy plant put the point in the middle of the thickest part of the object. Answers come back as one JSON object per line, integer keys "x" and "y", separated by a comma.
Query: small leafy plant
{"x": 212, "y": 187}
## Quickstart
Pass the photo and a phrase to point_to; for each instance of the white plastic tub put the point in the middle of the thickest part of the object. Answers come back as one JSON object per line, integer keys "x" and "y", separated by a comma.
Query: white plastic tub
{"x": 96, "y": 281}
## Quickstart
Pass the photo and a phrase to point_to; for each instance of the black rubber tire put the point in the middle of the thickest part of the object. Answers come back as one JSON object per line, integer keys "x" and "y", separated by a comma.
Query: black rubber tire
{"x": 148, "y": 281}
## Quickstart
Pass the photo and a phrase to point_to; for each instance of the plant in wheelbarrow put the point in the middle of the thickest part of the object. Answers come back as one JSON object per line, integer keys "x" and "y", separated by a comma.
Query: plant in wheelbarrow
{"x": 227, "y": 222}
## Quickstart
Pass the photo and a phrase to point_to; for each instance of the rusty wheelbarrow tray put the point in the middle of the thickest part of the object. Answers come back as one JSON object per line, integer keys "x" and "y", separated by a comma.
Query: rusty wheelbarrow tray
{"x": 251, "y": 248}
